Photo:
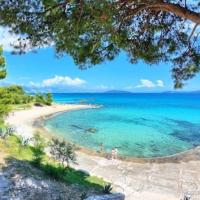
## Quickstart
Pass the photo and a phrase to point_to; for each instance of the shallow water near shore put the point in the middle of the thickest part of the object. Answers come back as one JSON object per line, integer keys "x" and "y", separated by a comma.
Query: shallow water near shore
{"x": 139, "y": 125}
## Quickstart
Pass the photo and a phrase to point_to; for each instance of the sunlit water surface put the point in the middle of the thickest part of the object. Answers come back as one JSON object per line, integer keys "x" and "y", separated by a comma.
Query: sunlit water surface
{"x": 139, "y": 125}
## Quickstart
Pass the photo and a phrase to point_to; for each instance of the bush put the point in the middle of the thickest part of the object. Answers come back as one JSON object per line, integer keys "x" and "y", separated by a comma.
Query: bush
{"x": 23, "y": 142}
{"x": 107, "y": 189}
{"x": 55, "y": 172}
{"x": 49, "y": 99}
{"x": 43, "y": 99}
{"x": 62, "y": 152}
{"x": 38, "y": 104}
{"x": 4, "y": 110}
{"x": 38, "y": 150}
{"x": 10, "y": 96}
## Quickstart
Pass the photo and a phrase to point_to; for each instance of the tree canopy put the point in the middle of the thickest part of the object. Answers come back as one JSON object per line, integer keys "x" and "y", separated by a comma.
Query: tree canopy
{"x": 9, "y": 96}
{"x": 43, "y": 99}
{"x": 2, "y": 65}
{"x": 92, "y": 31}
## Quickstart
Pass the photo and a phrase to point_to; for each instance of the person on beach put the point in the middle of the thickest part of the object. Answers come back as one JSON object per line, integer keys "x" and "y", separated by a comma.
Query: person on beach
{"x": 115, "y": 153}
{"x": 101, "y": 147}
{"x": 112, "y": 153}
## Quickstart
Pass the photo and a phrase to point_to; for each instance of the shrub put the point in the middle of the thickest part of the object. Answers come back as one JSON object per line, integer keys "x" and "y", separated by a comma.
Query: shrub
{"x": 38, "y": 150}
{"x": 43, "y": 99}
{"x": 49, "y": 99}
{"x": 23, "y": 142}
{"x": 56, "y": 172}
{"x": 107, "y": 189}
{"x": 62, "y": 152}
{"x": 38, "y": 104}
{"x": 4, "y": 110}
{"x": 12, "y": 95}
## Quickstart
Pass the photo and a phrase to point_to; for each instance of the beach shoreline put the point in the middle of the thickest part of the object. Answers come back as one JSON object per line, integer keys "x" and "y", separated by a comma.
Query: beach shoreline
{"x": 178, "y": 157}
{"x": 156, "y": 179}
{"x": 23, "y": 120}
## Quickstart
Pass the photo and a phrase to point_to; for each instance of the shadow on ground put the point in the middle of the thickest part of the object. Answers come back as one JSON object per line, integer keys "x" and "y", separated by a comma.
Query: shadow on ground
{"x": 19, "y": 179}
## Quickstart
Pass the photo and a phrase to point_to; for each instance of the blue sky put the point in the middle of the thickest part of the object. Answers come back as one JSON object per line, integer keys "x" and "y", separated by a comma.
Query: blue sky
{"x": 43, "y": 71}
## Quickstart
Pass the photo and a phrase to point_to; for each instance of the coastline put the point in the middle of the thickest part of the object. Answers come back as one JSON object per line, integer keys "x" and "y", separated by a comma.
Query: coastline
{"x": 23, "y": 120}
{"x": 152, "y": 179}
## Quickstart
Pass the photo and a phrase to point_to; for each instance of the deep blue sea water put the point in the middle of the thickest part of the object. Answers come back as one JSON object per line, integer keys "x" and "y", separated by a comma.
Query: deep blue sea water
{"x": 139, "y": 125}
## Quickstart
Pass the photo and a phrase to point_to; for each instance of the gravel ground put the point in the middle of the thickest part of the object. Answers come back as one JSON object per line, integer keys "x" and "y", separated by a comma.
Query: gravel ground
{"x": 20, "y": 181}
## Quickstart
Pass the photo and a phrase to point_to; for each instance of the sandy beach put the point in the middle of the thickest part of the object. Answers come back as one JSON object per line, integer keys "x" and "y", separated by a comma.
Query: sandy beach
{"x": 154, "y": 179}
{"x": 23, "y": 120}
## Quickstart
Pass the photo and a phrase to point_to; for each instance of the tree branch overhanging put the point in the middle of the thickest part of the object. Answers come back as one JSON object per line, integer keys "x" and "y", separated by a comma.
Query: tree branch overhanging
{"x": 175, "y": 9}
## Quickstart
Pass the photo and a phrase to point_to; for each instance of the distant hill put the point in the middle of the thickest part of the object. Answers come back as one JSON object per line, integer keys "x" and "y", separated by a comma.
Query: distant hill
{"x": 117, "y": 92}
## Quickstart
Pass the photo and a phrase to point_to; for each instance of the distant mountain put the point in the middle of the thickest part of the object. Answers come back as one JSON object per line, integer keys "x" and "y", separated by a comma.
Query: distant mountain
{"x": 117, "y": 92}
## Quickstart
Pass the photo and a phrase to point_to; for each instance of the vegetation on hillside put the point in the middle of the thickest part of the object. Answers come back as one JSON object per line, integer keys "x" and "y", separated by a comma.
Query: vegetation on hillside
{"x": 14, "y": 147}
{"x": 43, "y": 99}
{"x": 63, "y": 152}
{"x": 11, "y": 96}
{"x": 14, "y": 97}
{"x": 94, "y": 31}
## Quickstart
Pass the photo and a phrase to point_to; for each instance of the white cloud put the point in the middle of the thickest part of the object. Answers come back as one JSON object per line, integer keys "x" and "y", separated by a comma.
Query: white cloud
{"x": 7, "y": 39}
{"x": 33, "y": 84}
{"x": 145, "y": 83}
{"x": 58, "y": 81}
{"x": 63, "y": 80}
{"x": 160, "y": 83}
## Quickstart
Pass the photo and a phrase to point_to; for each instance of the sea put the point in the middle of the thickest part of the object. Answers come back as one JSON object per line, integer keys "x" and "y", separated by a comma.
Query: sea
{"x": 143, "y": 125}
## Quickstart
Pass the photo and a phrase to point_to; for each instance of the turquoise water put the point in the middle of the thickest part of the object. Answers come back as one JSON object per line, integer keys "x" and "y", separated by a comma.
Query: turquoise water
{"x": 140, "y": 125}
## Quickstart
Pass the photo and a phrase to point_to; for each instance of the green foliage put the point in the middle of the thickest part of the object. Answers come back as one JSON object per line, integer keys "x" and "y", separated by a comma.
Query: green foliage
{"x": 3, "y": 72}
{"x": 55, "y": 172}
{"x": 12, "y": 146}
{"x": 62, "y": 151}
{"x": 49, "y": 167}
{"x": 22, "y": 142}
{"x": 95, "y": 31}
{"x": 5, "y": 132}
{"x": 39, "y": 100}
{"x": 43, "y": 99}
{"x": 72, "y": 176}
{"x": 4, "y": 110}
{"x": 12, "y": 95}
{"x": 49, "y": 99}
{"x": 38, "y": 149}
{"x": 107, "y": 189}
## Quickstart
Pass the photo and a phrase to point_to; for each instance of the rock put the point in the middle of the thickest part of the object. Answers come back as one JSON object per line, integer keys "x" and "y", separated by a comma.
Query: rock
{"x": 115, "y": 196}
{"x": 4, "y": 183}
{"x": 20, "y": 181}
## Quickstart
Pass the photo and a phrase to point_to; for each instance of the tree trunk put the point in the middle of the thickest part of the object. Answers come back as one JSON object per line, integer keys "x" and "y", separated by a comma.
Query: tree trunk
{"x": 169, "y": 7}
{"x": 179, "y": 11}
